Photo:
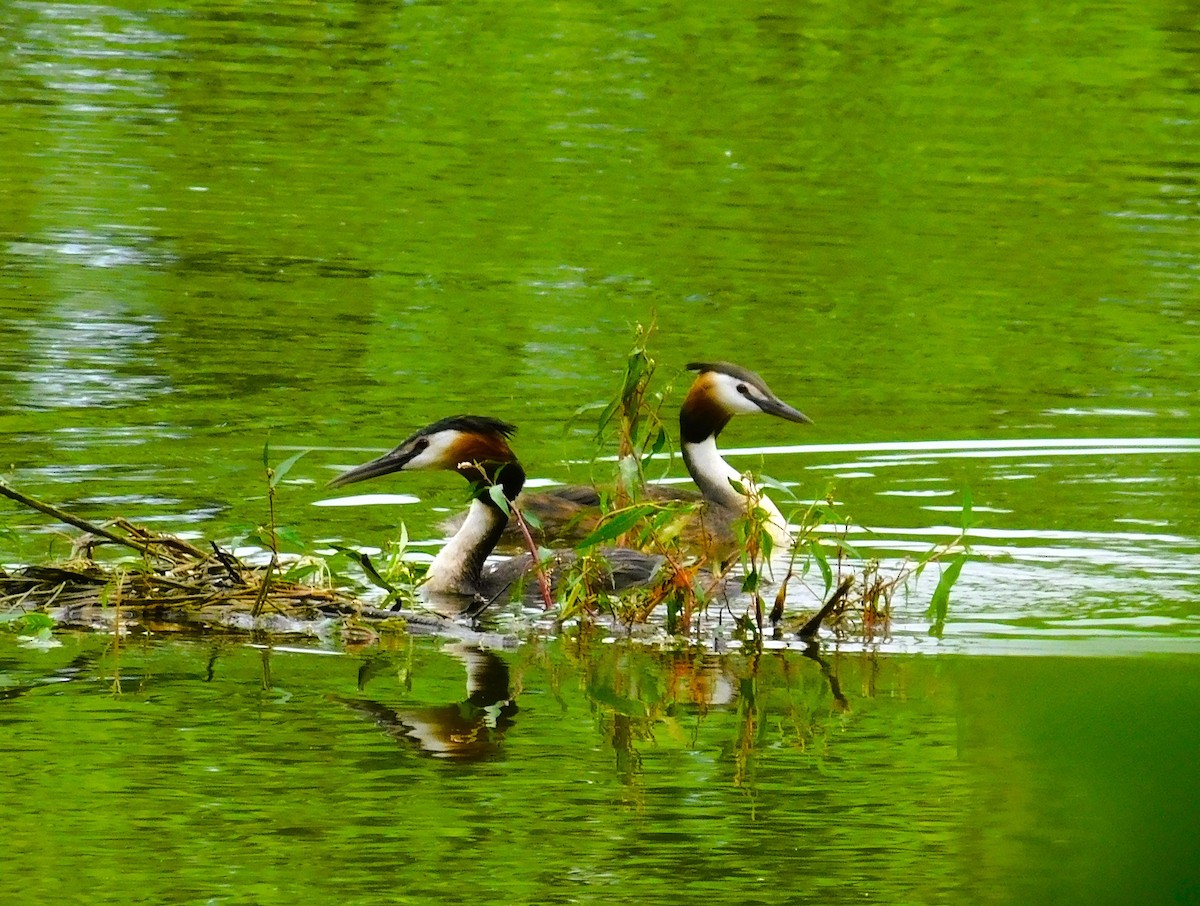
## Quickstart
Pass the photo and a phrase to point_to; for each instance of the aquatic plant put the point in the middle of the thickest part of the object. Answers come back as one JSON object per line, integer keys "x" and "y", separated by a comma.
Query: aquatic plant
{"x": 858, "y": 591}
{"x": 170, "y": 576}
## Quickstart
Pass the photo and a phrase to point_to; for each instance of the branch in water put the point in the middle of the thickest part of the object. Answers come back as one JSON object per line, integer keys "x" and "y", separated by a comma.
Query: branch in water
{"x": 138, "y": 544}
{"x": 813, "y": 626}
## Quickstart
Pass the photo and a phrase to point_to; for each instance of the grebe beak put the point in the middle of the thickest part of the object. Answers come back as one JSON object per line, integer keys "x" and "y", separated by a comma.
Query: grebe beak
{"x": 777, "y": 407}
{"x": 394, "y": 461}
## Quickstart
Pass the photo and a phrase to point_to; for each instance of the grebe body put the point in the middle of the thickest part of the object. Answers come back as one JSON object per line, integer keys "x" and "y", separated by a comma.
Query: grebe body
{"x": 721, "y": 391}
{"x": 476, "y": 447}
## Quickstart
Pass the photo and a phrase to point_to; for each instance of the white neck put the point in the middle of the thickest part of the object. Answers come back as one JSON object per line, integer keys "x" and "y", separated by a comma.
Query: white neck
{"x": 458, "y": 567}
{"x": 713, "y": 474}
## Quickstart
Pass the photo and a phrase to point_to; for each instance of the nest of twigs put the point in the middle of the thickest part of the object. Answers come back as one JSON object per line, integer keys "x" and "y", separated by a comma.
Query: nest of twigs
{"x": 172, "y": 585}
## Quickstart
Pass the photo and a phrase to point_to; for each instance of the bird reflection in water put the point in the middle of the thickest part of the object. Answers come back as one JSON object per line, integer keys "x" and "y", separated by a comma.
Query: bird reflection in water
{"x": 468, "y": 730}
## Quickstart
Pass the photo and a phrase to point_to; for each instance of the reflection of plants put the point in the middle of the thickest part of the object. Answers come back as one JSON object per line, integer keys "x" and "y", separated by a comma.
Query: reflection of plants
{"x": 743, "y": 705}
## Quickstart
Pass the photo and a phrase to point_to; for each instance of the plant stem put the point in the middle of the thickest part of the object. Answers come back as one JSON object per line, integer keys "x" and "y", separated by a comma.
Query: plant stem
{"x": 538, "y": 570}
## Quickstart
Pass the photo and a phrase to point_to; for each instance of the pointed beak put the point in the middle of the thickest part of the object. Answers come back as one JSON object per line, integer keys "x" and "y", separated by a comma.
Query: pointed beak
{"x": 777, "y": 407}
{"x": 394, "y": 461}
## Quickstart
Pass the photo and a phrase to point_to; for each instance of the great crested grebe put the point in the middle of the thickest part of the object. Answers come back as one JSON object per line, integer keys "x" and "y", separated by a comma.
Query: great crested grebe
{"x": 720, "y": 391}
{"x": 476, "y": 447}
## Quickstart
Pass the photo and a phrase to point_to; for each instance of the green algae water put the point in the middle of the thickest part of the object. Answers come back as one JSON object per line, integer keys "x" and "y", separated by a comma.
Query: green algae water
{"x": 570, "y": 773}
{"x": 963, "y": 240}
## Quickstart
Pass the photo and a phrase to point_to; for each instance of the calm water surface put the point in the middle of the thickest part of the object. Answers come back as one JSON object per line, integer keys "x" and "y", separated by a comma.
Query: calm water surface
{"x": 964, "y": 241}
{"x": 573, "y": 773}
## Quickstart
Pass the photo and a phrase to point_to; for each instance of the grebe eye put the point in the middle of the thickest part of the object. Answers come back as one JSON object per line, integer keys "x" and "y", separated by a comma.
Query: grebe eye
{"x": 743, "y": 389}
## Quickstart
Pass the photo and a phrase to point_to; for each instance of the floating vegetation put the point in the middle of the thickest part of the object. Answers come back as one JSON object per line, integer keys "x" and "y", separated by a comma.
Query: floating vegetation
{"x": 167, "y": 584}
{"x": 713, "y": 578}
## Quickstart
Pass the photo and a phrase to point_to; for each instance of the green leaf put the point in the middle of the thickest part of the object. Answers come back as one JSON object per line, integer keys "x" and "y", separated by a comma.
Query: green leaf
{"x": 660, "y": 441}
{"x": 288, "y": 534}
{"x": 850, "y": 549}
{"x": 766, "y": 545}
{"x": 368, "y": 567}
{"x": 588, "y": 407}
{"x": 531, "y": 519}
{"x": 939, "y": 606}
{"x": 818, "y": 554}
{"x": 257, "y": 539}
{"x": 300, "y": 571}
{"x": 606, "y": 416}
{"x": 616, "y": 525}
{"x": 966, "y": 509}
{"x": 774, "y": 484}
{"x": 267, "y": 453}
{"x": 497, "y": 494}
{"x": 286, "y": 466}
{"x": 750, "y": 583}
{"x": 37, "y": 622}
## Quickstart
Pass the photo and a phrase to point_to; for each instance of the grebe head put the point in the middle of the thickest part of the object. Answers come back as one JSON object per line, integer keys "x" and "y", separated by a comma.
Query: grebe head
{"x": 722, "y": 390}
{"x": 475, "y": 446}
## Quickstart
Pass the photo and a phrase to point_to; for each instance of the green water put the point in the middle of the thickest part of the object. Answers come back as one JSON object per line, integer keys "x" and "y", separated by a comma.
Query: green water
{"x": 963, "y": 240}
{"x": 226, "y": 774}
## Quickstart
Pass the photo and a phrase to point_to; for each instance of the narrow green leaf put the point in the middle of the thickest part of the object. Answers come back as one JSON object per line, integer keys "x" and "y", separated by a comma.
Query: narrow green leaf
{"x": 966, "y": 509}
{"x": 267, "y": 453}
{"x": 300, "y": 571}
{"x": 497, "y": 494}
{"x": 588, "y": 407}
{"x": 939, "y": 605}
{"x": 290, "y": 535}
{"x": 531, "y": 519}
{"x": 368, "y": 567}
{"x": 850, "y": 549}
{"x": 615, "y": 526}
{"x": 606, "y": 416}
{"x": 775, "y": 484}
{"x": 818, "y": 554}
{"x": 660, "y": 441}
{"x": 286, "y": 466}
{"x": 257, "y": 539}
{"x": 767, "y": 545}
